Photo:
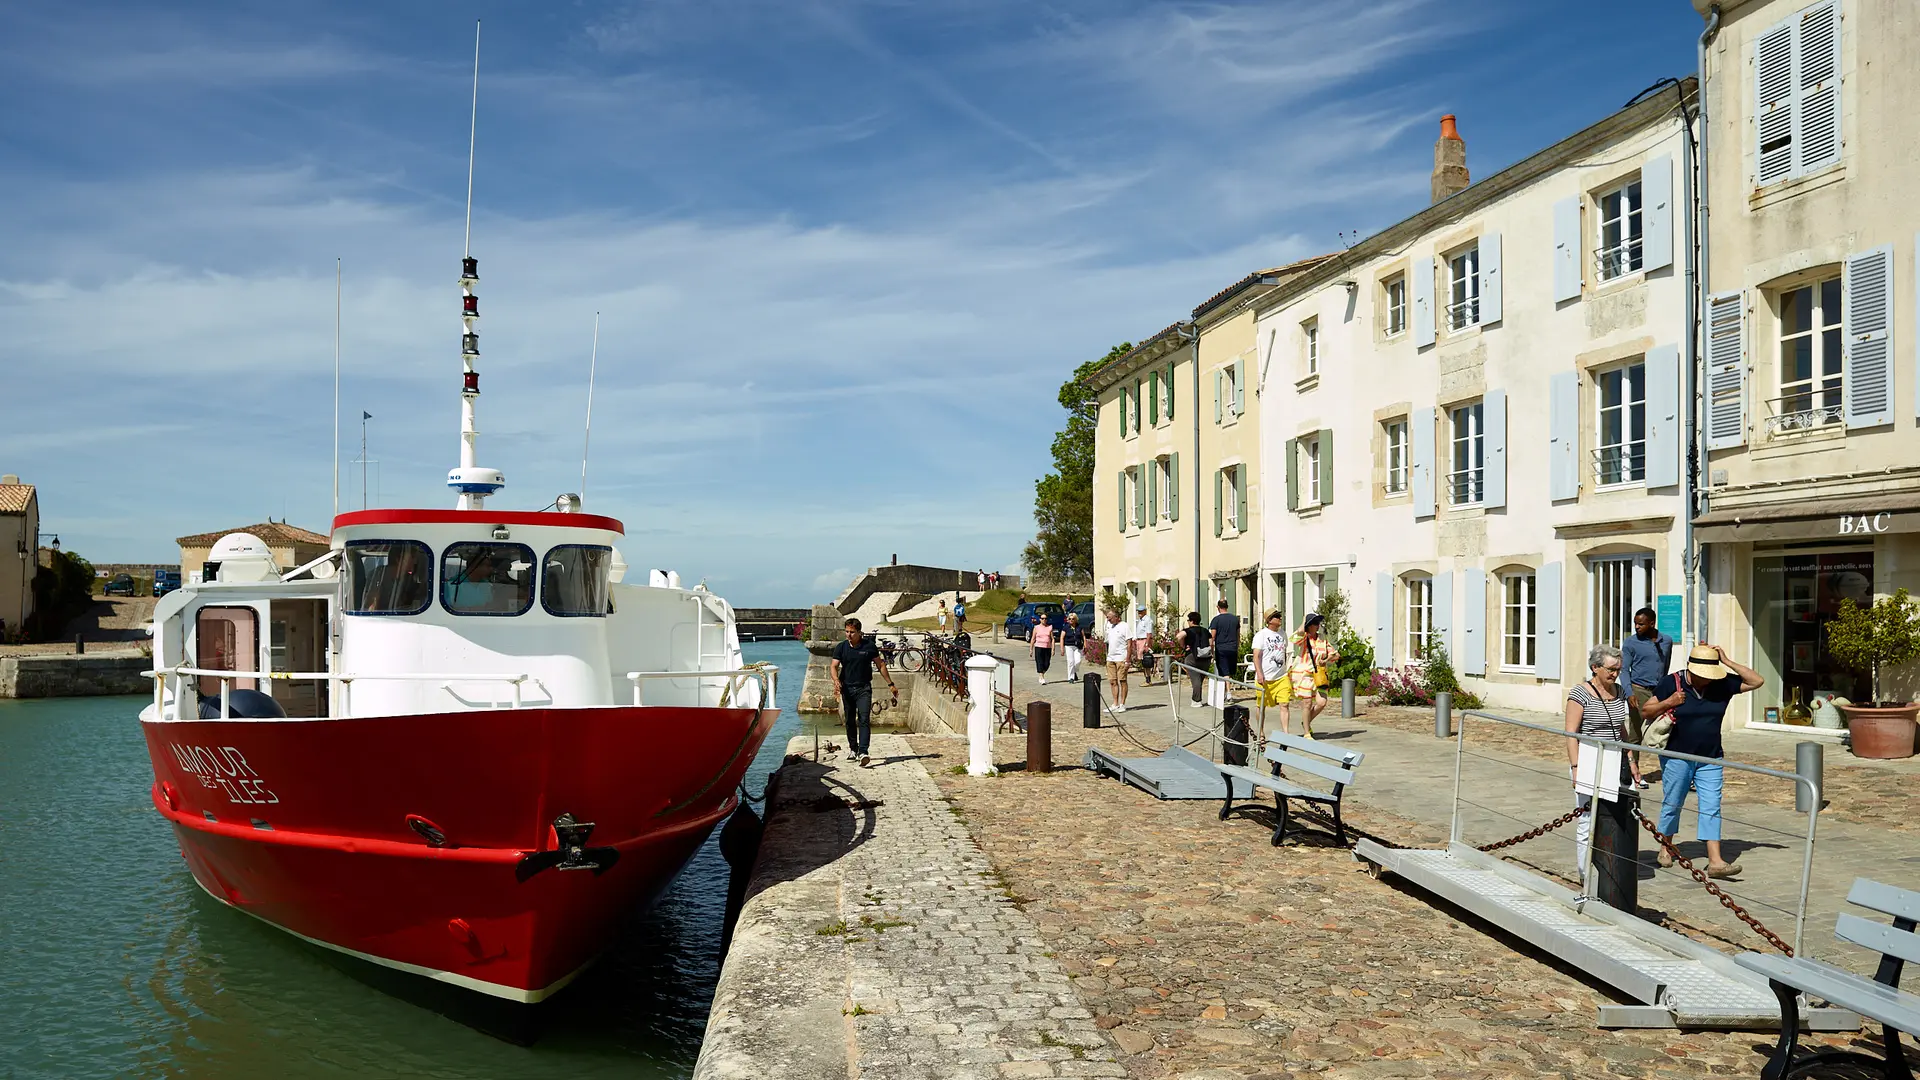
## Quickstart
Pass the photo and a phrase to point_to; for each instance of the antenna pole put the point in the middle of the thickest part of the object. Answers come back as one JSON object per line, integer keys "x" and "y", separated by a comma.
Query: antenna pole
{"x": 472, "y": 482}
{"x": 363, "y": 459}
{"x": 473, "y": 129}
{"x": 587, "y": 442}
{"x": 336, "y": 387}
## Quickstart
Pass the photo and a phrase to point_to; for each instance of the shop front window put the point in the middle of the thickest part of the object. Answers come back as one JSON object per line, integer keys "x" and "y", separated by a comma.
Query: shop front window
{"x": 1794, "y": 598}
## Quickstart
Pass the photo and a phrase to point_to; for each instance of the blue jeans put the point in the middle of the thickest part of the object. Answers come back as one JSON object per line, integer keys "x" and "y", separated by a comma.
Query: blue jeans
{"x": 1676, "y": 776}
{"x": 856, "y": 704}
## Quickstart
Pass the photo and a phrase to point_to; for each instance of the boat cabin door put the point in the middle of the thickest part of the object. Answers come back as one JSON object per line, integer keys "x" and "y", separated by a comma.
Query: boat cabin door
{"x": 297, "y": 641}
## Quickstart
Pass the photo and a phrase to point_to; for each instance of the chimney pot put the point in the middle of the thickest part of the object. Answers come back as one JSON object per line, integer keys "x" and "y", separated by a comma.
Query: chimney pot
{"x": 1450, "y": 175}
{"x": 1448, "y": 130}
{"x": 9, "y": 479}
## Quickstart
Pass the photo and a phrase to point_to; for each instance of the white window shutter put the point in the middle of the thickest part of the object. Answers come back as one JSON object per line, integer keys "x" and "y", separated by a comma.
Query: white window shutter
{"x": 1422, "y": 471}
{"x": 1566, "y": 249}
{"x": 1664, "y": 427}
{"x": 1817, "y": 96}
{"x": 1546, "y": 586}
{"x": 1773, "y": 98}
{"x": 1421, "y": 271}
{"x": 1443, "y": 612}
{"x": 1726, "y": 371}
{"x": 1867, "y": 337}
{"x": 1473, "y": 646}
{"x": 1490, "y": 278}
{"x": 1239, "y": 388}
{"x": 1493, "y": 417}
{"x": 1656, "y": 195}
{"x": 1563, "y": 436}
{"x": 1383, "y": 620}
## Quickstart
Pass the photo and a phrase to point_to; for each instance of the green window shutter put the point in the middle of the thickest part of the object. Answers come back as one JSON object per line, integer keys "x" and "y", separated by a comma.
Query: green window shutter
{"x": 1139, "y": 501}
{"x": 1326, "y": 467}
{"x": 1329, "y": 578}
{"x": 1219, "y": 502}
{"x": 1122, "y": 410}
{"x": 1173, "y": 487}
{"x": 1166, "y": 380}
{"x": 1137, "y": 391}
{"x": 1219, "y": 388}
{"x": 1293, "y": 474}
{"x": 1153, "y": 399}
{"x": 1153, "y": 492}
{"x": 1299, "y": 598}
{"x": 1173, "y": 594}
{"x": 1240, "y": 388}
{"x": 1120, "y": 499}
{"x": 1240, "y": 496}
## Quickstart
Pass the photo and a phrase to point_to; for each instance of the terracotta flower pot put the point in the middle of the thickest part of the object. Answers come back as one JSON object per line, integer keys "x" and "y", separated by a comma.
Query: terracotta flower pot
{"x": 1882, "y": 732}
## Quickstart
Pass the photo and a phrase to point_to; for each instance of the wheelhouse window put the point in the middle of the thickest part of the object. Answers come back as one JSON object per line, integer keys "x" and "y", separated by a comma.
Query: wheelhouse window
{"x": 1463, "y": 274}
{"x": 489, "y": 578}
{"x": 388, "y": 577}
{"x": 1619, "y": 252}
{"x": 574, "y": 582}
{"x": 1621, "y": 456}
{"x": 1811, "y": 372}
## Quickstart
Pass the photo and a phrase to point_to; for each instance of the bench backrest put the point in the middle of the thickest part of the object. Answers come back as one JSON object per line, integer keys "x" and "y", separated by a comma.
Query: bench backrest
{"x": 1313, "y": 756}
{"x": 1885, "y": 899}
{"x": 1896, "y": 944}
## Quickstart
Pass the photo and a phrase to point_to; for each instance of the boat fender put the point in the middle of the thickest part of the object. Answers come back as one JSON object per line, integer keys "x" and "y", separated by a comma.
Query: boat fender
{"x": 740, "y": 839}
{"x": 433, "y": 834}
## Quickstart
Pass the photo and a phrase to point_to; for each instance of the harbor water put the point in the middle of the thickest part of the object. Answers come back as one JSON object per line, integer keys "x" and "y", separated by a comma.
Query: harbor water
{"x": 114, "y": 963}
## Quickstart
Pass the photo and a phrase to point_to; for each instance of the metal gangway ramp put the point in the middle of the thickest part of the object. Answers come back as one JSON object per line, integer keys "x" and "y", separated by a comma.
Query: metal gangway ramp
{"x": 1677, "y": 982}
{"x": 1177, "y": 773}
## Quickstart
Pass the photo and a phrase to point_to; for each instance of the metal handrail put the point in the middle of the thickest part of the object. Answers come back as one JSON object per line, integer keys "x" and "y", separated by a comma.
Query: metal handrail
{"x": 1626, "y": 459}
{"x": 767, "y": 675}
{"x": 1471, "y": 303}
{"x": 1626, "y": 257}
{"x": 1460, "y": 480}
{"x": 227, "y": 677}
{"x": 1812, "y": 789}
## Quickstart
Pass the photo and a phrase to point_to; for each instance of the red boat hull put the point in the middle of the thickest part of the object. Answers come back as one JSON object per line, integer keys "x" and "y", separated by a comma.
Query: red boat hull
{"x": 308, "y": 824}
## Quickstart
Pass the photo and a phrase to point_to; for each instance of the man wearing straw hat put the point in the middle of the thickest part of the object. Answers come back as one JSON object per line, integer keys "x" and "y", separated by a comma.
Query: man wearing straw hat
{"x": 1697, "y": 701}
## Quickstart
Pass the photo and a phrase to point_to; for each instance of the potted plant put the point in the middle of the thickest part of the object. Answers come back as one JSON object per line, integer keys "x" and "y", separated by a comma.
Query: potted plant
{"x": 1876, "y": 638}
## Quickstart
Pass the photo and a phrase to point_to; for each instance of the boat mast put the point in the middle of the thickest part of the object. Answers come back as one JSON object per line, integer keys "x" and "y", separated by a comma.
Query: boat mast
{"x": 472, "y": 482}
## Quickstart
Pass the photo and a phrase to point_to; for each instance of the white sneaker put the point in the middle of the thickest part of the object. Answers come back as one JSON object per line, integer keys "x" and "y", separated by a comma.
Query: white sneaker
{"x": 1043, "y": 680}
{"x": 1121, "y": 707}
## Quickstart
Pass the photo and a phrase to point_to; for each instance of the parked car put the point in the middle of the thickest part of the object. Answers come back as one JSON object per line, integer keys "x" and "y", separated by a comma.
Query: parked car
{"x": 165, "y": 581}
{"x": 1086, "y": 611}
{"x": 1020, "y": 620}
{"x": 119, "y": 585}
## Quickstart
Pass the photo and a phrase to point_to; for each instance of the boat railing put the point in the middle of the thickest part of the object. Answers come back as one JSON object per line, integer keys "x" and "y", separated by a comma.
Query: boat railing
{"x": 340, "y": 684}
{"x": 766, "y": 675}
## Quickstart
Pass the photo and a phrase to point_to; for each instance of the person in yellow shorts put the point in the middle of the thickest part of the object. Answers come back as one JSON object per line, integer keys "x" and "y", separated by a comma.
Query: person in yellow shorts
{"x": 1270, "y": 671}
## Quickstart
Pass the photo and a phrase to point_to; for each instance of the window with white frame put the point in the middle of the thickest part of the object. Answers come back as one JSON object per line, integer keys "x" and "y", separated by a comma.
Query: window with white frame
{"x": 1811, "y": 371}
{"x": 1619, "y": 251}
{"x": 1135, "y": 497}
{"x": 1463, "y": 284}
{"x": 1620, "y": 450}
{"x": 1397, "y": 456}
{"x": 1420, "y": 634}
{"x": 1163, "y": 483}
{"x": 1229, "y": 375}
{"x": 1310, "y": 338}
{"x": 1519, "y": 633}
{"x": 1467, "y": 483}
{"x": 1396, "y": 305}
{"x": 1230, "y": 496}
{"x": 1622, "y": 585}
{"x": 1310, "y": 454}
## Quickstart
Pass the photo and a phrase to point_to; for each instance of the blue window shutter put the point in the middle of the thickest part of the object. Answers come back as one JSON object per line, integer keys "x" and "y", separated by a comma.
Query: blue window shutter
{"x": 1816, "y": 138}
{"x": 1563, "y": 436}
{"x": 1240, "y": 388}
{"x": 1656, "y": 194}
{"x": 1383, "y": 620}
{"x": 1867, "y": 337}
{"x": 1566, "y": 248}
{"x": 1173, "y": 487}
{"x": 1473, "y": 647}
{"x": 1726, "y": 370}
{"x": 1422, "y": 470}
{"x": 1421, "y": 271}
{"x": 1494, "y": 418}
{"x": 1546, "y": 598}
{"x": 1443, "y": 611}
{"x": 1664, "y": 428}
{"x": 1490, "y": 278}
{"x": 1773, "y": 99}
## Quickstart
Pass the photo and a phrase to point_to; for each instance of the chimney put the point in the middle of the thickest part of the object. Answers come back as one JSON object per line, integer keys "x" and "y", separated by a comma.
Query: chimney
{"x": 1449, "y": 161}
{"x": 9, "y": 479}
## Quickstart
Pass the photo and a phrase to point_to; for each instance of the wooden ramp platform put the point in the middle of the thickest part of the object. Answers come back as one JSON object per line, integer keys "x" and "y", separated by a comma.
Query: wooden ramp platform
{"x": 1178, "y": 773}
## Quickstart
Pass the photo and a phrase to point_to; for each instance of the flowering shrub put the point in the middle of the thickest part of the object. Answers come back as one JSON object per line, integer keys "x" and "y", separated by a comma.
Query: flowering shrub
{"x": 1417, "y": 684}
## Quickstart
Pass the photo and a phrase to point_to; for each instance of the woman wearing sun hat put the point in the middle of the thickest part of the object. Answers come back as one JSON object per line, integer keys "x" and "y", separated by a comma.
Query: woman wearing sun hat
{"x": 1697, "y": 700}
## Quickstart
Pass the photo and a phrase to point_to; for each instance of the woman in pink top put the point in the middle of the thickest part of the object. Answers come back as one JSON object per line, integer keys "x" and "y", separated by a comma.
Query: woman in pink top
{"x": 1042, "y": 639}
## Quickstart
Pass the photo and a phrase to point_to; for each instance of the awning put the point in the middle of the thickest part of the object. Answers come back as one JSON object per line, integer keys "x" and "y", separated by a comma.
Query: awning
{"x": 1246, "y": 571}
{"x": 1860, "y": 517}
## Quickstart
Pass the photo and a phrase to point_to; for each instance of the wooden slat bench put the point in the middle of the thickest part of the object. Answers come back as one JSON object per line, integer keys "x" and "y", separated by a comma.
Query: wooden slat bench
{"x": 1303, "y": 756}
{"x": 1879, "y": 998}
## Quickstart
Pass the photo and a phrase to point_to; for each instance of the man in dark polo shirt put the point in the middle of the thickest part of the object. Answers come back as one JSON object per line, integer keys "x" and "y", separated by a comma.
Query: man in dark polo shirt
{"x": 1226, "y": 641}
{"x": 852, "y": 672}
{"x": 1697, "y": 699}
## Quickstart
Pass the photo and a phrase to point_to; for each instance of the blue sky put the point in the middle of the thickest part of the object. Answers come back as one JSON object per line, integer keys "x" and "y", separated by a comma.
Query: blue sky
{"x": 844, "y": 252}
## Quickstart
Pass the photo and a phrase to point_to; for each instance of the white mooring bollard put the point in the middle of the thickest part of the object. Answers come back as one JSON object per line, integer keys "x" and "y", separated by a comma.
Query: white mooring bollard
{"x": 980, "y": 716}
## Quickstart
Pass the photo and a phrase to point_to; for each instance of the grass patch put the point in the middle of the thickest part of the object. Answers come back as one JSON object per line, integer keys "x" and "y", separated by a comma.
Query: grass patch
{"x": 857, "y": 1010}
{"x": 956, "y": 770}
{"x": 1048, "y": 1038}
{"x": 881, "y": 926}
{"x": 836, "y": 928}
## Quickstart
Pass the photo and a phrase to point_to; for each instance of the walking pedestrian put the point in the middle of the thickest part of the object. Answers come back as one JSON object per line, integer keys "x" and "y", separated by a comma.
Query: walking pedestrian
{"x": 1225, "y": 629}
{"x": 1596, "y": 708}
{"x": 1073, "y": 642}
{"x": 1197, "y": 653}
{"x": 1270, "y": 672}
{"x": 1119, "y": 658}
{"x": 959, "y": 613}
{"x": 1648, "y": 656}
{"x": 1143, "y": 643}
{"x": 1697, "y": 698}
{"x": 1309, "y": 654}
{"x": 941, "y": 615}
{"x": 852, "y": 673}
{"x": 981, "y": 578}
{"x": 1042, "y": 640}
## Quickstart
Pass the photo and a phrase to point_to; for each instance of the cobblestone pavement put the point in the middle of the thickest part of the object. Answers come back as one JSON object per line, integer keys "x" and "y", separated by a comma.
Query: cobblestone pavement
{"x": 947, "y": 977}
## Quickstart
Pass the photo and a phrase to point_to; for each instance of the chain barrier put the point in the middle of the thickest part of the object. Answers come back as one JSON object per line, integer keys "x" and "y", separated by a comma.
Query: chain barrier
{"x": 1715, "y": 891}
{"x": 1534, "y": 833}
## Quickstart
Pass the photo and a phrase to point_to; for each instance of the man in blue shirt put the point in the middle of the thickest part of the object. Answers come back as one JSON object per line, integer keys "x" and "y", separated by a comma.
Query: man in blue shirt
{"x": 1647, "y": 656}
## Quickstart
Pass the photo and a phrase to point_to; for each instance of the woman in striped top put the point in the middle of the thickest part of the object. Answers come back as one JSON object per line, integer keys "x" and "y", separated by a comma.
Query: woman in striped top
{"x": 1597, "y": 708}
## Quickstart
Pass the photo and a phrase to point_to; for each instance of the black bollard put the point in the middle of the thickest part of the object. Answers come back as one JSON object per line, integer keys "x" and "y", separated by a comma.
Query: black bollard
{"x": 1236, "y": 732}
{"x": 1039, "y": 736}
{"x": 79, "y": 644}
{"x": 1090, "y": 700}
{"x": 1616, "y": 853}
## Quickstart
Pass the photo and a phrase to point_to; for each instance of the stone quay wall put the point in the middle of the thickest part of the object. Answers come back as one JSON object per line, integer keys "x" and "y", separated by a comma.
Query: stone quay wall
{"x": 927, "y": 580}
{"x": 73, "y": 676}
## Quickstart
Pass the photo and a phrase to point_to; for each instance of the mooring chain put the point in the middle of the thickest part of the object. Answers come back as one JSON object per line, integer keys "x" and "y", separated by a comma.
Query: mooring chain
{"x": 1700, "y": 876}
{"x": 1533, "y": 834}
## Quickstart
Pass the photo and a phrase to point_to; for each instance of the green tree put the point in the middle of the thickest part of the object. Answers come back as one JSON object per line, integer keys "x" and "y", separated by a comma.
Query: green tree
{"x": 1062, "y": 547}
